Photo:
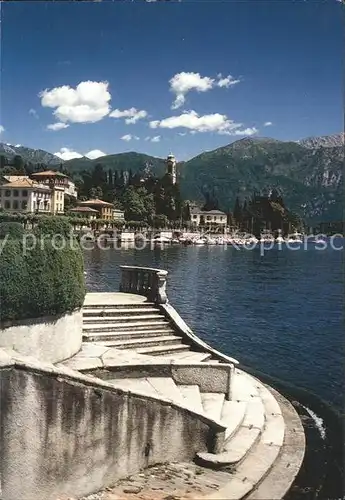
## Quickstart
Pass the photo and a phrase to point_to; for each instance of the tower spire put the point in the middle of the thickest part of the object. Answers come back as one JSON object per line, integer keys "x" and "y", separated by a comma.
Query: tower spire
{"x": 171, "y": 166}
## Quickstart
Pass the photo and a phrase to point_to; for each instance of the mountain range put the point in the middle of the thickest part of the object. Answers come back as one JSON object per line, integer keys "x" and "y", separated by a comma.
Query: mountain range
{"x": 309, "y": 173}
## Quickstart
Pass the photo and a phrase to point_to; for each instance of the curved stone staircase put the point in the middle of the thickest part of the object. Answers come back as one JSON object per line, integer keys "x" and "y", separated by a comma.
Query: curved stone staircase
{"x": 262, "y": 448}
{"x": 140, "y": 326}
{"x": 254, "y": 436}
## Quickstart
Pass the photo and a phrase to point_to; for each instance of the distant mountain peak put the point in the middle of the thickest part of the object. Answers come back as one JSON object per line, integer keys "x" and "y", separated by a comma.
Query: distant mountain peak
{"x": 29, "y": 154}
{"x": 325, "y": 141}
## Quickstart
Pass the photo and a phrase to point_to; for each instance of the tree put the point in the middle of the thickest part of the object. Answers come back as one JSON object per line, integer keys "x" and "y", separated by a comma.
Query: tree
{"x": 238, "y": 211}
{"x": 110, "y": 177}
{"x": 160, "y": 221}
{"x": 99, "y": 192}
{"x": 92, "y": 193}
{"x": 18, "y": 164}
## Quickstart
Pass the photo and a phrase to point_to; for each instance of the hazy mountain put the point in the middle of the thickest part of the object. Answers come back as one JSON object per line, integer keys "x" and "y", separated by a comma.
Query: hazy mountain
{"x": 308, "y": 173}
{"x": 325, "y": 141}
{"x": 121, "y": 161}
{"x": 29, "y": 154}
{"x": 309, "y": 179}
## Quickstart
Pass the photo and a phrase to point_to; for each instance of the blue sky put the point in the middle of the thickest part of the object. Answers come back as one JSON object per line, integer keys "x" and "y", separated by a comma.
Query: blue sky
{"x": 182, "y": 77}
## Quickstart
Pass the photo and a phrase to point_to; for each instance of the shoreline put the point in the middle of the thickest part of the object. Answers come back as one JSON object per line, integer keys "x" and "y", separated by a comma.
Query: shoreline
{"x": 322, "y": 474}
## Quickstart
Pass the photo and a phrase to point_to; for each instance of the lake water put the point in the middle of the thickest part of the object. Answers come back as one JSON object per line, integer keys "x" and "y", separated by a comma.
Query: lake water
{"x": 280, "y": 313}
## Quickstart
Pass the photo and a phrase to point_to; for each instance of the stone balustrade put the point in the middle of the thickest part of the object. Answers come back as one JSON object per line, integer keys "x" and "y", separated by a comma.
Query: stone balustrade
{"x": 145, "y": 281}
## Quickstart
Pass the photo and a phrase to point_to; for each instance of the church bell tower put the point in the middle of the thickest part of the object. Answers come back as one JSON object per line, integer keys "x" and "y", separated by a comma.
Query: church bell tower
{"x": 171, "y": 167}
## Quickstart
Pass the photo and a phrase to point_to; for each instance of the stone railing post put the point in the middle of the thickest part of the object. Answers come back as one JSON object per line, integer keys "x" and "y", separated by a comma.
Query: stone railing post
{"x": 145, "y": 281}
{"x": 161, "y": 295}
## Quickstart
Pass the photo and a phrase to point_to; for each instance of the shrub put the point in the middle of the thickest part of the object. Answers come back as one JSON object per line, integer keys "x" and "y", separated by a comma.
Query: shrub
{"x": 12, "y": 229}
{"x": 44, "y": 281}
{"x": 50, "y": 225}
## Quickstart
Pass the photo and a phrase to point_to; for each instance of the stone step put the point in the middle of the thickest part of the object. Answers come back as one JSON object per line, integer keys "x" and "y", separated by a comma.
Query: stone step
{"x": 190, "y": 357}
{"x": 282, "y": 474}
{"x": 212, "y": 403}
{"x": 157, "y": 386}
{"x": 119, "y": 306}
{"x": 115, "y": 319}
{"x": 192, "y": 397}
{"x": 166, "y": 387}
{"x": 143, "y": 342}
{"x": 162, "y": 350}
{"x": 108, "y": 311}
{"x": 127, "y": 334}
{"x": 129, "y": 325}
{"x": 239, "y": 443}
{"x": 232, "y": 416}
{"x": 257, "y": 463}
{"x": 243, "y": 387}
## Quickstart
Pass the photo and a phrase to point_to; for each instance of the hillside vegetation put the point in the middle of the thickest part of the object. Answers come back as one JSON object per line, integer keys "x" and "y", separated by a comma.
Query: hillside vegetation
{"x": 309, "y": 174}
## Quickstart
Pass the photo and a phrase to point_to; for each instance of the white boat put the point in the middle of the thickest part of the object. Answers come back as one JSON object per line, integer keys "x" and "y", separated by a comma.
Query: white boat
{"x": 199, "y": 241}
{"x": 161, "y": 239}
{"x": 295, "y": 238}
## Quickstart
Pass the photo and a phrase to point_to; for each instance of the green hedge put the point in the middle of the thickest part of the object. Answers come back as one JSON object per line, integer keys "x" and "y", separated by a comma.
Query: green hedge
{"x": 11, "y": 229}
{"x": 42, "y": 281}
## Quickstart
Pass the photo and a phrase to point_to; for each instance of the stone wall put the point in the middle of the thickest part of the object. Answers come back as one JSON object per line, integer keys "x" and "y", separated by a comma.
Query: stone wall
{"x": 50, "y": 338}
{"x": 66, "y": 434}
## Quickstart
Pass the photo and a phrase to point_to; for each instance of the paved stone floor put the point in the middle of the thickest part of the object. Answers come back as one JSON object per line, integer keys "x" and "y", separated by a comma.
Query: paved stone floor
{"x": 174, "y": 481}
{"x": 113, "y": 298}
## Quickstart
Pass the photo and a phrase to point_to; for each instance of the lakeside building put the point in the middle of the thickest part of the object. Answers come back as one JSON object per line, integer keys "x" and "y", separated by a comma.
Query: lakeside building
{"x": 85, "y": 212}
{"x": 118, "y": 214}
{"x": 52, "y": 177}
{"x": 22, "y": 194}
{"x": 105, "y": 210}
{"x": 208, "y": 217}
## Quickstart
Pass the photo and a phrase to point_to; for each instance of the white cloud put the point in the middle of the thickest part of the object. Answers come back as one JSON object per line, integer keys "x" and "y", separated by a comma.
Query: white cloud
{"x": 87, "y": 103}
{"x": 227, "y": 81}
{"x": 129, "y": 137}
{"x": 156, "y": 138}
{"x": 215, "y": 122}
{"x": 95, "y": 153}
{"x": 57, "y": 126}
{"x": 2, "y": 129}
{"x": 246, "y": 131}
{"x": 131, "y": 115}
{"x": 182, "y": 134}
{"x": 182, "y": 83}
{"x": 67, "y": 154}
{"x": 34, "y": 113}
{"x": 268, "y": 124}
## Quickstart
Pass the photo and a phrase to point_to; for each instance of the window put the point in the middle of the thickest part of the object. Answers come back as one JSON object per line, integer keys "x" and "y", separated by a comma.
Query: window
{"x": 7, "y": 204}
{"x": 7, "y": 193}
{"x": 221, "y": 218}
{"x": 208, "y": 217}
{"x": 215, "y": 218}
{"x": 15, "y": 204}
{"x": 24, "y": 205}
{"x": 24, "y": 193}
{"x": 195, "y": 216}
{"x": 16, "y": 192}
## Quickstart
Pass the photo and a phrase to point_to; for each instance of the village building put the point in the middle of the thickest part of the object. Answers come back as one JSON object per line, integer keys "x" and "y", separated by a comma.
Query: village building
{"x": 85, "y": 212}
{"x": 208, "y": 217}
{"x": 52, "y": 177}
{"x": 104, "y": 209}
{"x": 22, "y": 194}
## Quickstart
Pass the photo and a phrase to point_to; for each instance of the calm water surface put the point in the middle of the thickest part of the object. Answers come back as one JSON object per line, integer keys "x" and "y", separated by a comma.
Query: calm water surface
{"x": 280, "y": 313}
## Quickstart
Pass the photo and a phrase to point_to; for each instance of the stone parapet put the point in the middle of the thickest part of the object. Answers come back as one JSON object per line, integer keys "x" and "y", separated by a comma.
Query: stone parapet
{"x": 49, "y": 338}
